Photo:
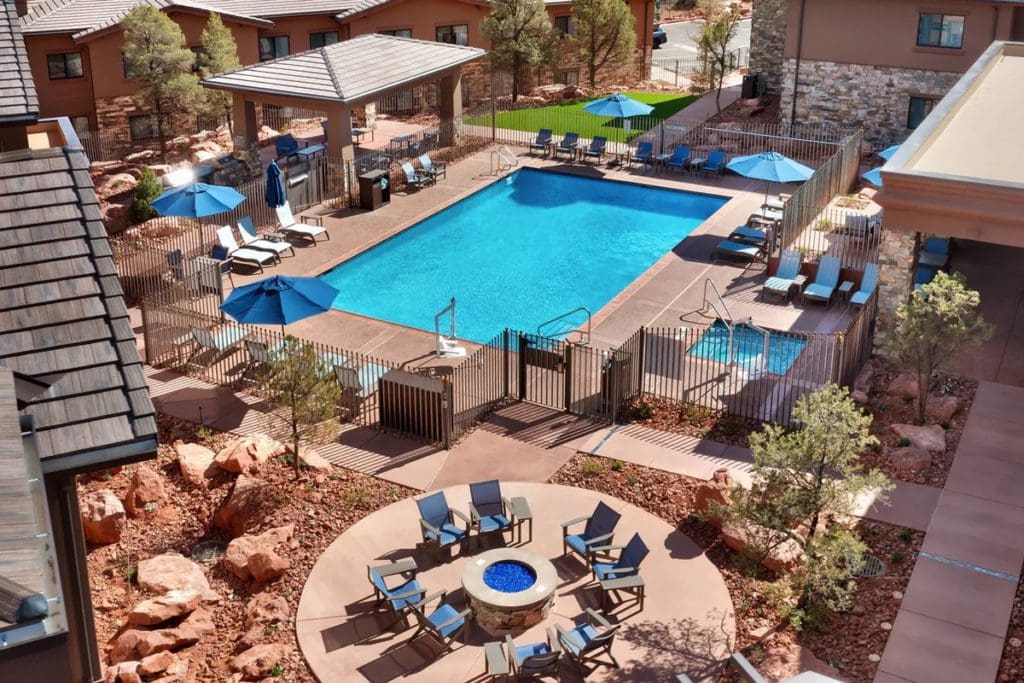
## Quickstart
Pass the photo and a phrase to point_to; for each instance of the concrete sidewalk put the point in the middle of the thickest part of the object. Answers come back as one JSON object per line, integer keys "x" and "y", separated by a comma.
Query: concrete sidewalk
{"x": 953, "y": 620}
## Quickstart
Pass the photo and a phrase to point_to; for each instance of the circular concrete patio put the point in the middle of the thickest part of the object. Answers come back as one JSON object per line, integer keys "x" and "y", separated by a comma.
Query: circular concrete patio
{"x": 686, "y": 625}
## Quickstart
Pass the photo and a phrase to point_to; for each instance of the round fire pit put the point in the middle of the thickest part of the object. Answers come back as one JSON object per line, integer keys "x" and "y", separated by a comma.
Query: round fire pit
{"x": 509, "y": 589}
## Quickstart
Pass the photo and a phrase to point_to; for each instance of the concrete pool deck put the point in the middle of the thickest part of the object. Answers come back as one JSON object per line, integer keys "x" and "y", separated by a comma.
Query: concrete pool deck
{"x": 668, "y": 290}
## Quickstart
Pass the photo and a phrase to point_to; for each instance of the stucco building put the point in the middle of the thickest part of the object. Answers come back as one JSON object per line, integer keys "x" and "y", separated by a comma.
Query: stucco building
{"x": 878, "y": 64}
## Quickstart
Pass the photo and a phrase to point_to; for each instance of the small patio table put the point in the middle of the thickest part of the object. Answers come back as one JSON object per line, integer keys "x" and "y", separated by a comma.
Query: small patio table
{"x": 846, "y": 289}
{"x": 521, "y": 513}
{"x": 307, "y": 153}
{"x": 695, "y": 164}
{"x": 631, "y": 584}
{"x": 497, "y": 662}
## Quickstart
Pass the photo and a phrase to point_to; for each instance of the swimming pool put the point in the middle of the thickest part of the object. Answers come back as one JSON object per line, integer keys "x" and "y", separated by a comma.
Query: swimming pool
{"x": 747, "y": 344}
{"x": 520, "y": 252}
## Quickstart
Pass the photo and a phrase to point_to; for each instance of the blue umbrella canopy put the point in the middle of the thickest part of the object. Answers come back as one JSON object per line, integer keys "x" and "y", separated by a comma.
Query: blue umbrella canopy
{"x": 874, "y": 176}
{"x": 888, "y": 152}
{"x": 618, "y": 105}
{"x": 279, "y": 300}
{"x": 770, "y": 166}
{"x": 275, "y": 194}
{"x": 197, "y": 200}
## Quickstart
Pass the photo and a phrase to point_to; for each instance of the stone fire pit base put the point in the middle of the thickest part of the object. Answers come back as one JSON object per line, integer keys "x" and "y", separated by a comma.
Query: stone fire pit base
{"x": 499, "y": 613}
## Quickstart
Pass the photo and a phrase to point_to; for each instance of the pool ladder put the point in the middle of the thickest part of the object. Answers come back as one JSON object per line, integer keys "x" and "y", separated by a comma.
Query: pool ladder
{"x": 584, "y": 335}
{"x": 503, "y": 159}
{"x": 730, "y": 324}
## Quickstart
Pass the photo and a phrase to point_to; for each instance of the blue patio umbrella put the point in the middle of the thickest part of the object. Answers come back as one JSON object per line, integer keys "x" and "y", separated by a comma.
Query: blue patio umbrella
{"x": 275, "y": 194}
{"x": 888, "y": 152}
{"x": 771, "y": 167}
{"x": 618, "y": 106}
{"x": 874, "y": 176}
{"x": 279, "y": 300}
{"x": 197, "y": 200}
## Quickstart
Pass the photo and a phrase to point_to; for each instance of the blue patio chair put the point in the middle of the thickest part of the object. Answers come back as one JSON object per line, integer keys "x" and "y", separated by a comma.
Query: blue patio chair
{"x": 400, "y": 597}
{"x": 644, "y": 154}
{"x": 488, "y": 509}
{"x": 680, "y": 157}
{"x": 542, "y": 142}
{"x": 596, "y": 148}
{"x": 631, "y": 556}
{"x": 599, "y": 530}
{"x": 414, "y": 178}
{"x": 715, "y": 163}
{"x": 535, "y": 659}
{"x": 786, "y": 275}
{"x": 923, "y": 275}
{"x": 588, "y": 642}
{"x": 568, "y": 145}
{"x": 868, "y": 282}
{"x": 286, "y": 146}
{"x": 434, "y": 170}
{"x": 935, "y": 253}
{"x": 825, "y": 281}
{"x": 731, "y": 250}
{"x": 437, "y": 523}
{"x": 748, "y": 235}
{"x": 444, "y": 624}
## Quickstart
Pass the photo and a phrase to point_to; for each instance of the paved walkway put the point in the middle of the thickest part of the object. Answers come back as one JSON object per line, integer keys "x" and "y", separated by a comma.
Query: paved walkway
{"x": 343, "y": 637}
{"x": 953, "y": 620}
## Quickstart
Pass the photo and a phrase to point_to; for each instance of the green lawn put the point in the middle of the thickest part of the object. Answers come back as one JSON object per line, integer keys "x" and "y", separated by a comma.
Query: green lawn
{"x": 563, "y": 118}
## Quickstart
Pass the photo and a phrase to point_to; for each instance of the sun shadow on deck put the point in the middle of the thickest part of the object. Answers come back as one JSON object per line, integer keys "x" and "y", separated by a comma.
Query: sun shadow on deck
{"x": 539, "y": 426}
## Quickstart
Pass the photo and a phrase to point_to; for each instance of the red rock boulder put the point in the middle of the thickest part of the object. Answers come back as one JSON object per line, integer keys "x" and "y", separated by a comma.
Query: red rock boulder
{"x": 103, "y": 517}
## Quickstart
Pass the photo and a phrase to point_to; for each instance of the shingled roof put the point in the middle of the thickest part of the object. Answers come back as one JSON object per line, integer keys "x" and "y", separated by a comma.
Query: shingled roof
{"x": 63, "y": 320}
{"x": 17, "y": 93}
{"x": 348, "y": 71}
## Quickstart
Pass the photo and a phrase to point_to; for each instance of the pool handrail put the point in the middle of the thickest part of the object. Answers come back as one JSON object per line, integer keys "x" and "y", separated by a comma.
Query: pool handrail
{"x": 584, "y": 338}
{"x": 730, "y": 322}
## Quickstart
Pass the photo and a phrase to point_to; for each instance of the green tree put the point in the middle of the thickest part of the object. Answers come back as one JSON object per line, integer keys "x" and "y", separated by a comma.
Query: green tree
{"x": 717, "y": 32}
{"x": 148, "y": 189}
{"x": 161, "y": 64}
{"x": 939, "y": 322}
{"x": 219, "y": 55}
{"x": 605, "y": 34}
{"x": 300, "y": 388}
{"x": 521, "y": 36}
{"x": 805, "y": 484}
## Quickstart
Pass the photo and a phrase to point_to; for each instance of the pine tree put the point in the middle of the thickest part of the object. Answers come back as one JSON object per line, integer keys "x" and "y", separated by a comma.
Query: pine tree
{"x": 605, "y": 34}
{"x": 521, "y": 36}
{"x": 220, "y": 55}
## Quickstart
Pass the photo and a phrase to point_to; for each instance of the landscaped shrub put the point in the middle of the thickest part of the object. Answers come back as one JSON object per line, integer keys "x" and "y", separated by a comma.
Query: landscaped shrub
{"x": 146, "y": 191}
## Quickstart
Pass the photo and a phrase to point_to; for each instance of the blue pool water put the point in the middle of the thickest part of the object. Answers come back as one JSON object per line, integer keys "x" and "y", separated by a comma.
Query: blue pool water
{"x": 747, "y": 344}
{"x": 509, "y": 576}
{"x": 519, "y": 252}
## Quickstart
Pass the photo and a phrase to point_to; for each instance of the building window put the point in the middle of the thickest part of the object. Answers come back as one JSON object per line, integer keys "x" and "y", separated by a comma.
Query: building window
{"x": 918, "y": 110}
{"x": 129, "y": 70}
{"x": 66, "y": 65}
{"x": 454, "y": 35}
{"x": 398, "y": 33}
{"x": 940, "y": 30}
{"x": 565, "y": 25}
{"x": 142, "y": 128}
{"x": 567, "y": 77}
{"x": 198, "y": 55}
{"x": 322, "y": 38}
{"x": 273, "y": 47}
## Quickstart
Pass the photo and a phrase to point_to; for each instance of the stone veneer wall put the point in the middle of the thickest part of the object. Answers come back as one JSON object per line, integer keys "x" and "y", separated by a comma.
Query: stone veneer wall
{"x": 768, "y": 40}
{"x": 896, "y": 252}
{"x": 875, "y": 98}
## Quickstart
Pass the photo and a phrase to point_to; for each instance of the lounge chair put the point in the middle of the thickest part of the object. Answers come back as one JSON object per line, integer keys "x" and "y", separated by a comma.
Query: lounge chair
{"x": 488, "y": 509}
{"x": 599, "y": 530}
{"x": 290, "y": 226}
{"x": 569, "y": 144}
{"x": 414, "y": 178}
{"x": 731, "y": 250}
{"x": 585, "y": 644}
{"x": 220, "y": 344}
{"x": 596, "y": 148}
{"x": 535, "y": 659}
{"x": 715, "y": 163}
{"x": 628, "y": 562}
{"x": 444, "y": 624}
{"x": 250, "y": 239}
{"x": 680, "y": 158}
{"x": 824, "y": 285}
{"x": 362, "y": 381}
{"x": 432, "y": 169}
{"x": 543, "y": 141}
{"x": 400, "y": 597}
{"x": 860, "y": 227}
{"x": 748, "y": 235}
{"x": 286, "y": 146}
{"x": 786, "y": 275}
{"x": 935, "y": 253}
{"x": 868, "y": 282}
{"x": 644, "y": 154}
{"x": 253, "y": 257}
{"x": 437, "y": 523}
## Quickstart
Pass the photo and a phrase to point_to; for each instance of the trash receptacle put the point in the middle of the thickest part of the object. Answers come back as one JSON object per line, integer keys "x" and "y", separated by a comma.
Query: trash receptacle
{"x": 749, "y": 89}
{"x": 374, "y": 189}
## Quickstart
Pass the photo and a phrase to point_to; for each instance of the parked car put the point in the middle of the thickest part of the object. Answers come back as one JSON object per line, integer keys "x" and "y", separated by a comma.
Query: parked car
{"x": 660, "y": 37}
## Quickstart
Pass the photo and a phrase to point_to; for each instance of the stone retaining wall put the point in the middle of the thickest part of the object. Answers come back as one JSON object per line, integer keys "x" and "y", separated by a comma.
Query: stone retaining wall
{"x": 873, "y": 97}
{"x": 895, "y": 277}
{"x": 768, "y": 40}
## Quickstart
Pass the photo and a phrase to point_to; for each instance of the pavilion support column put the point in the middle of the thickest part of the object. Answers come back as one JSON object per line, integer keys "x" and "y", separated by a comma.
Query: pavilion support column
{"x": 339, "y": 132}
{"x": 450, "y": 104}
{"x": 896, "y": 258}
{"x": 243, "y": 117}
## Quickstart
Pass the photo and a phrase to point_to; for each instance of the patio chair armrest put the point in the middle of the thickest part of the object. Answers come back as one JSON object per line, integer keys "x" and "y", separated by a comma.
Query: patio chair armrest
{"x": 406, "y": 594}
{"x": 620, "y": 570}
{"x": 594, "y": 615}
{"x": 606, "y": 548}
{"x": 455, "y": 619}
{"x": 403, "y": 566}
{"x": 552, "y": 640}
{"x": 506, "y": 505}
{"x": 599, "y": 539}
{"x": 419, "y": 604}
{"x": 427, "y": 526}
{"x": 562, "y": 634}
{"x": 574, "y": 520}
{"x": 473, "y": 513}
{"x": 510, "y": 649}
{"x": 460, "y": 515}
